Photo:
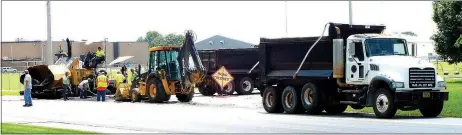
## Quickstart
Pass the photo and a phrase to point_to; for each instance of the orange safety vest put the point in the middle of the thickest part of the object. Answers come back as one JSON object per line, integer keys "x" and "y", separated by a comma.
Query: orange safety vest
{"x": 102, "y": 82}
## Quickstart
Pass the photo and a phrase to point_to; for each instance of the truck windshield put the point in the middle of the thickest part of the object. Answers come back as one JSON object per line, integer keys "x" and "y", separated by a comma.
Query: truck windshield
{"x": 385, "y": 46}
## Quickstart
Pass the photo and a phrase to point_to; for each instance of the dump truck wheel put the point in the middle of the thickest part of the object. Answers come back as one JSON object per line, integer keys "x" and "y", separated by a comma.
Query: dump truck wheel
{"x": 155, "y": 91}
{"x": 291, "y": 101}
{"x": 312, "y": 98}
{"x": 357, "y": 107}
{"x": 272, "y": 100}
{"x": 186, "y": 97}
{"x": 432, "y": 108}
{"x": 335, "y": 108}
{"x": 384, "y": 107}
{"x": 207, "y": 90}
{"x": 229, "y": 88}
{"x": 245, "y": 87}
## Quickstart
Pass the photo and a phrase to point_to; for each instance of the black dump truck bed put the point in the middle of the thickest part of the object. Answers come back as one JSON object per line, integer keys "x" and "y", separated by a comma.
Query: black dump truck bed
{"x": 280, "y": 58}
{"x": 236, "y": 61}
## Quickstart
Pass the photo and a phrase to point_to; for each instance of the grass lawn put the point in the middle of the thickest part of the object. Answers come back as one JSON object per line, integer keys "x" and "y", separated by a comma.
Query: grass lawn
{"x": 8, "y": 128}
{"x": 10, "y": 81}
{"x": 10, "y": 93}
{"x": 452, "y": 107}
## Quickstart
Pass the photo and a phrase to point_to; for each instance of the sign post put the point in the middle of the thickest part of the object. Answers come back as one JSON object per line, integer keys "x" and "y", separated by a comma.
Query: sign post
{"x": 222, "y": 77}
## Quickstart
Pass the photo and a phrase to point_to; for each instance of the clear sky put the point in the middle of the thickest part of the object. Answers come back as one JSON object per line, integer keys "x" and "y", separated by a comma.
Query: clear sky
{"x": 242, "y": 20}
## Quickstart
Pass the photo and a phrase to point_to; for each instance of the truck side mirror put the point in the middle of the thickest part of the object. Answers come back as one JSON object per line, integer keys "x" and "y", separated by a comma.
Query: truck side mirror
{"x": 351, "y": 49}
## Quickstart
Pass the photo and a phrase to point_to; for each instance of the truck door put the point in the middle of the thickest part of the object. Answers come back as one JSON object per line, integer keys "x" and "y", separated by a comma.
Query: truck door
{"x": 355, "y": 65}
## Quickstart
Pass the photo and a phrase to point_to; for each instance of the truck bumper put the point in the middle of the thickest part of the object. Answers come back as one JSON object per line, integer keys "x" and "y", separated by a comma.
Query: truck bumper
{"x": 416, "y": 96}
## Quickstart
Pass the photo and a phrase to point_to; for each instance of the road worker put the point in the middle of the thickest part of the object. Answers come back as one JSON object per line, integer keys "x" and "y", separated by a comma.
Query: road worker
{"x": 101, "y": 84}
{"x": 119, "y": 78}
{"x": 83, "y": 87}
{"x": 27, "y": 89}
{"x": 99, "y": 57}
{"x": 132, "y": 76}
{"x": 66, "y": 86}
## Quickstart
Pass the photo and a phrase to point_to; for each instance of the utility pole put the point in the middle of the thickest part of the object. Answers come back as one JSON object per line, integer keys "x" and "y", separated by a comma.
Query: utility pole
{"x": 285, "y": 4}
{"x": 49, "y": 60}
{"x": 350, "y": 12}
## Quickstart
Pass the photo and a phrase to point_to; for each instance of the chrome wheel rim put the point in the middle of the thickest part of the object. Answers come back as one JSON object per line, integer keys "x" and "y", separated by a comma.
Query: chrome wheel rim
{"x": 229, "y": 88}
{"x": 288, "y": 100}
{"x": 308, "y": 96}
{"x": 269, "y": 101}
{"x": 382, "y": 103}
{"x": 246, "y": 85}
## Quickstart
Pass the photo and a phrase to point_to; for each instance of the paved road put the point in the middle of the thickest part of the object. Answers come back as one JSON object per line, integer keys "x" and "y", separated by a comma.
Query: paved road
{"x": 238, "y": 114}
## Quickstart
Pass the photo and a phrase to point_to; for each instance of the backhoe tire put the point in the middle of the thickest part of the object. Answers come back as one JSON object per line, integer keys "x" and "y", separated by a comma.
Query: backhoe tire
{"x": 245, "y": 86}
{"x": 135, "y": 96}
{"x": 313, "y": 99}
{"x": 154, "y": 85}
{"x": 186, "y": 97}
{"x": 272, "y": 100}
{"x": 167, "y": 98}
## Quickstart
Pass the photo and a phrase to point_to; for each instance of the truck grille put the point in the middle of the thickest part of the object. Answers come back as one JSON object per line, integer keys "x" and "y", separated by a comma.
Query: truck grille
{"x": 421, "y": 78}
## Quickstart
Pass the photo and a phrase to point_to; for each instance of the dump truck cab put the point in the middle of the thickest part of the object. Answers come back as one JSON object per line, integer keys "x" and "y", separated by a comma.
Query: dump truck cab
{"x": 374, "y": 56}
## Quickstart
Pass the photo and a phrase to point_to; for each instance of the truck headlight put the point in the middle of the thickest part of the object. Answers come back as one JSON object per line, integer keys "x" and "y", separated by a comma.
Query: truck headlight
{"x": 398, "y": 85}
{"x": 441, "y": 84}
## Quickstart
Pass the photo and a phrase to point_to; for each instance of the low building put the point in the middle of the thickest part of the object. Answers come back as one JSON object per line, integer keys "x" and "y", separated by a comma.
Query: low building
{"x": 28, "y": 53}
{"x": 221, "y": 42}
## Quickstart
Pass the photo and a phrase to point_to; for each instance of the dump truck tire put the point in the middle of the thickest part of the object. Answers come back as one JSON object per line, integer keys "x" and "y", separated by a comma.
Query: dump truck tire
{"x": 272, "y": 100}
{"x": 432, "y": 108}
{"x": 245, "y": 86}
{"x": 357, "y": 107}
{"x": 291, "y": 101}
{"x": 207, "y": 90}
{"x": 185, "y": 97}
{"x": 160, "y": 93}
{"x": 336, "y": 108}
{"x": 384, "y": 107}
{"x": 312, "y": 98}
{"x": 229, "y": 89}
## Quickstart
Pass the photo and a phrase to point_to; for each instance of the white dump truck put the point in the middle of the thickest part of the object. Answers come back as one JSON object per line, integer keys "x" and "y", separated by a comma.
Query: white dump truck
{"x": 355, "y": 65}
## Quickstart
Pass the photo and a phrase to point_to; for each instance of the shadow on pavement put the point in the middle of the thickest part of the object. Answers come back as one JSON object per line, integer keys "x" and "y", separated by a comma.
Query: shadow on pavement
{"x": 354, "y": 115}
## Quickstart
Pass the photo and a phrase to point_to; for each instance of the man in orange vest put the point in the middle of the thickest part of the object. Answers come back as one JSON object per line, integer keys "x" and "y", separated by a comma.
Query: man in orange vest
{"x": 101, "y": 84}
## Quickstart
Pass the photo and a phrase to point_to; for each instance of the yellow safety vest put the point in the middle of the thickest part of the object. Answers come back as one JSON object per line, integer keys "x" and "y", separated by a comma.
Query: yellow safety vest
{"x": 99, "y": 53}
{"x": 119, "y": 78}
{"x": 102, "y": 81}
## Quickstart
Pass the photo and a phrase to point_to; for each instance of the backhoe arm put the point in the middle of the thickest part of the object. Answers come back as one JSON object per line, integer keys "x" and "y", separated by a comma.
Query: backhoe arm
{"x": 190, "y": 74}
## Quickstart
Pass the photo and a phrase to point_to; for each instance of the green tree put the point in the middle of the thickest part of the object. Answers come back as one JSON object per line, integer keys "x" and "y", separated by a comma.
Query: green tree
{"x": 173, "y": 39}
{"x": 154, "y": 38}
{"x": 410, "y": 33}
{"x": 448, "y": 18}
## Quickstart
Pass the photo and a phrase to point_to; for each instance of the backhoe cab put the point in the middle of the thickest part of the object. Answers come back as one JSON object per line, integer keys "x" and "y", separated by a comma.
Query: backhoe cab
{"x": 169, "y": 73}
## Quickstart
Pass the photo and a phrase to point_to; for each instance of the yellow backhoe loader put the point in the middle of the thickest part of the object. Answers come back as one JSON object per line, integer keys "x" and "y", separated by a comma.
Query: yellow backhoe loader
{"x": 170, "y": 72}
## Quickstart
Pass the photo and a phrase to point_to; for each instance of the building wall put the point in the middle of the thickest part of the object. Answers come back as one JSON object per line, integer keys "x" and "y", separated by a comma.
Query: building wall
{"x": 138, "y": 49}
{"x": 27, "y": 49}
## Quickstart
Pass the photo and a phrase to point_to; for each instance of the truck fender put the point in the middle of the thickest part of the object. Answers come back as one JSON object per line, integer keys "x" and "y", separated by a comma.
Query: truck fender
{"x": 373, "y": 87}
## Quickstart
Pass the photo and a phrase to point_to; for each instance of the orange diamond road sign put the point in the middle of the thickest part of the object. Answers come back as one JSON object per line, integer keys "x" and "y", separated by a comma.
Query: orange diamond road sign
{"x": 222, "y": 77}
